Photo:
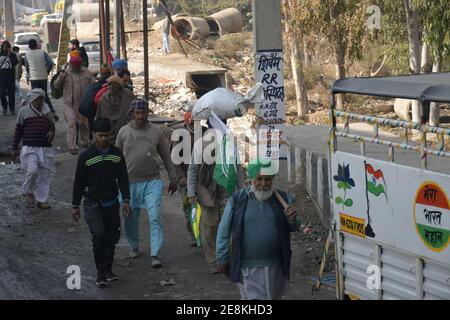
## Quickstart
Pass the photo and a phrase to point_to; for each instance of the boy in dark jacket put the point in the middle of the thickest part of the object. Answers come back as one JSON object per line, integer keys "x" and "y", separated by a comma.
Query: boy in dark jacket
{"x": 101, "y": 172}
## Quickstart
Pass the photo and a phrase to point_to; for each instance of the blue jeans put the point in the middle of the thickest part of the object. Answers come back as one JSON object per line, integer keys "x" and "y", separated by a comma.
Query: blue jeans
{"x": 146, "y": 195}
{"x": 18, "y": 91}
{"x": 166, "y": 42}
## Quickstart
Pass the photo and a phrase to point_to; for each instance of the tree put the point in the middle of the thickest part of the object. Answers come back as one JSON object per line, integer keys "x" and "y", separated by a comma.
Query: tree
{"x": 341, "y": 22}
{"x": 294, "y": 43}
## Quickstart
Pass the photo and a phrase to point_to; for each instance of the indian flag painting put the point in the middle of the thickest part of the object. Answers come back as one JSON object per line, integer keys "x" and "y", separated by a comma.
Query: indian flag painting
{"x": 376, "y": 185}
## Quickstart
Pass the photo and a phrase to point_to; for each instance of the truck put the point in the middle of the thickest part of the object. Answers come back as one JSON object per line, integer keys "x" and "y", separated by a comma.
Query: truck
{"x": 391, "y": 210}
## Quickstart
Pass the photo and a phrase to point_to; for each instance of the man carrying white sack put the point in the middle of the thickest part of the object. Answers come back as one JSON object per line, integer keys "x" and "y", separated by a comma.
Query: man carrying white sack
{"x": 203, "y": 188}
{"x": 36, "y": 129}
{"x": 253, "y": 241}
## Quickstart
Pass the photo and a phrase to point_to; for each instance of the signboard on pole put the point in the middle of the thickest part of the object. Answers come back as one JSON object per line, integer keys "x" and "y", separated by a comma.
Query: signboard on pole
{"x": 271, "y": 115}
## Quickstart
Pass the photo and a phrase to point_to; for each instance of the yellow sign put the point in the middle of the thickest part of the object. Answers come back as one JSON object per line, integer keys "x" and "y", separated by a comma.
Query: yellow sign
{"x": 352, "y": 225}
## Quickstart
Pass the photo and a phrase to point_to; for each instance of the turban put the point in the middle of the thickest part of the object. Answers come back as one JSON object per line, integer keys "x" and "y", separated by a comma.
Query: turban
{"x": 260, "y": 167}
{"x": 138, "y": 104}
{"x": 36, "y": 93}
{"x": 119, "y": 64}
{"x": 74, "y": 53}
{"x": 76, "y": 60}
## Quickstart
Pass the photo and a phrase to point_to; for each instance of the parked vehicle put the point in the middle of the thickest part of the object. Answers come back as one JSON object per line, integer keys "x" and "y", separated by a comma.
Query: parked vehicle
{"x": 37, "y": 17}
{"x": 391, "y": 219}
{"x": 21, "y": 40}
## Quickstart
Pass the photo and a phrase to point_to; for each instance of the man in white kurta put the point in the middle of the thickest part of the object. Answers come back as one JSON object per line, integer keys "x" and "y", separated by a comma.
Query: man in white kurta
{"x": 35, "y": 128}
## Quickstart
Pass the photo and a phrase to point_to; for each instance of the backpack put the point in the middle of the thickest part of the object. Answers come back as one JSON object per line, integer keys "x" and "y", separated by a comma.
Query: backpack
{"x": 87, "y": 103}
{"x": 56, "y": 93}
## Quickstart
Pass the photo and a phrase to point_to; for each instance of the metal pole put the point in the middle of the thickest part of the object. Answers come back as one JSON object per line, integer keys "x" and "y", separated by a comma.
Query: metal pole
{"x": 122, "y": 32}
{"x": 102, "y": 31}
{"x": 146, "y": 75}
{"x": 117, "y": 26}
{"x": 9, "y": 21}
{"x": 107, "y": 27}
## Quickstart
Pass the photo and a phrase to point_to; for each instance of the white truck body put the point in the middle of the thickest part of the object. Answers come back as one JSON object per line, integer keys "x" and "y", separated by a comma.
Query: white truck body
{"x": 391, "y": 220}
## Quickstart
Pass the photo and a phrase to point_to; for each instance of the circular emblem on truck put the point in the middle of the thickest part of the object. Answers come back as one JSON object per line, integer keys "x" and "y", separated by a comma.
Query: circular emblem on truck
{"x": 432, "y": 216}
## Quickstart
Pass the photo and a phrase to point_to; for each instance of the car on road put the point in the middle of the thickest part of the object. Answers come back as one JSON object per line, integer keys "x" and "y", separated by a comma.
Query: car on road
{"x": 21, "y": 40}
{"x": 50, "y": 18}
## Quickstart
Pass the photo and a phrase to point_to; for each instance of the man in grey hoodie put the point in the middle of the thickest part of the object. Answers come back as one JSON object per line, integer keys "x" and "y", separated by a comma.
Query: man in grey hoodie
{"x": 141, "y": 142}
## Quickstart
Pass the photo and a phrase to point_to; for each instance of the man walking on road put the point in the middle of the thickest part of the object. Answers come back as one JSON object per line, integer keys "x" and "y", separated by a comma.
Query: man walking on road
{"x": 202, "y": 188}
{"x": 18, "y": 74}
{"x": 166, "y": 34}
{"x": 38, "y": 65}
{"x": 36, "y": 129}
{"x": 74, "y": 82}
{"x": 114, "y": 105}
{"x": 8, "y": 62}
{"x": 101, "y": 172}
{"x": 141, "y": 142}
{"x": 83, "y": 55}
{"x": 253, "y": 241}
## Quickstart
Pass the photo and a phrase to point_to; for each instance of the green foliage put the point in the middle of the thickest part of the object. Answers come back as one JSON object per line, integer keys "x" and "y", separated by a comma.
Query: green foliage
{"x": 340, "y": 22}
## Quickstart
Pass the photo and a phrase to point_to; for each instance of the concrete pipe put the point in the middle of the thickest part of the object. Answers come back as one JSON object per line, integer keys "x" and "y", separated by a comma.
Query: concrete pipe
{"x": 85, "y": 12}
{"x": 226, "y": 21}
{"x": 190, "y": 28}
{"x": 402, "y": 108}
{"x": 157, "y": 26}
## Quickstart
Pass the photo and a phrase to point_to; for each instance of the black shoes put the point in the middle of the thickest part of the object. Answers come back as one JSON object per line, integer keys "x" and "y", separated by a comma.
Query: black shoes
{"x": 111, "y": 277}
{"x": 101, "y": 282}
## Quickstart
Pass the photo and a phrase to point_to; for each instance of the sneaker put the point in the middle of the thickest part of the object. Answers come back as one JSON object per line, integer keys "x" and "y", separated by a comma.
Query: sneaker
{"x": 73, "y": 152}
{"x": 156, "y": 263}
{"x": 13, "y": 113}
{"x": 43, "y": 205}
{"x": 134, "y": 253}
{"x": 111, "y": 277}
{"x": 101, "y": 281}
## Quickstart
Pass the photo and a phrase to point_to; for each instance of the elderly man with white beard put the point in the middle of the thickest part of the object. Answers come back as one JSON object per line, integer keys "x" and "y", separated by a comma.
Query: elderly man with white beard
{"x": 253, "y": 240}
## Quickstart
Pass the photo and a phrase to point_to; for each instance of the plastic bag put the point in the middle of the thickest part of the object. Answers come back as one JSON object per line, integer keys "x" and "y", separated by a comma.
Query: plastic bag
{"x": 226, "y": 103}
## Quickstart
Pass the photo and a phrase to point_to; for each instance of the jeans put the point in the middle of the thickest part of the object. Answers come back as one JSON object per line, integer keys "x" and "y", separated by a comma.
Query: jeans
{"x": 42, "y": 84}
{"x": 18, "y": 91}
{"x": 146, "y": 195}
{"x": 166, "y": 42}
{"x": 104, "y": 225}
{"x": 7, "y": 89}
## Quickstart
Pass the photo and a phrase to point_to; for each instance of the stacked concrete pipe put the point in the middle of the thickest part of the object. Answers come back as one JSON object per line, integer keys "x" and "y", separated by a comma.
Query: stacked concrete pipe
{"x": 226, "y": 21}
{"x": 190, "y": 28}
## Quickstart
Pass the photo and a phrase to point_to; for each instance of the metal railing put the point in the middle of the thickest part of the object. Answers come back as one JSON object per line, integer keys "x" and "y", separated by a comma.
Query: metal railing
{"x": 406, "y": 145}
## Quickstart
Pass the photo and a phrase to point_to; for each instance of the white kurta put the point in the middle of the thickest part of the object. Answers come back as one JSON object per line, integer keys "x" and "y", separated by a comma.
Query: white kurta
{"x": 38, "y": 162}
{"x": 263, "y": 283}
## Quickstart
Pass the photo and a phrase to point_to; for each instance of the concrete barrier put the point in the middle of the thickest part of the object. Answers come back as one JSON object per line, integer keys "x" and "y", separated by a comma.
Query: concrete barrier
{"x": 310, "y": 169}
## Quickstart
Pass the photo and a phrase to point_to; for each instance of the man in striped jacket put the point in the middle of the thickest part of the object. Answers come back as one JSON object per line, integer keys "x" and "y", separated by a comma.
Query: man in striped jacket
{"x": 36, "y": 129}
